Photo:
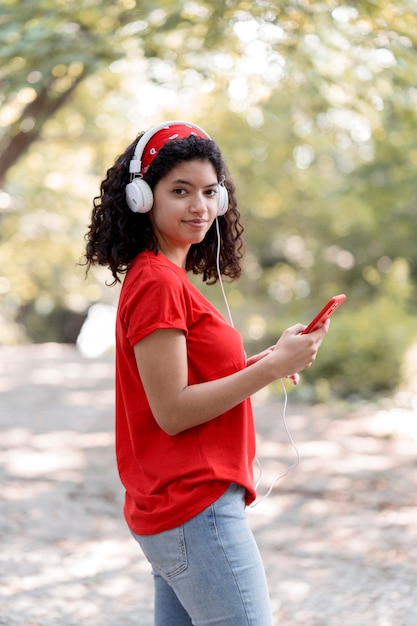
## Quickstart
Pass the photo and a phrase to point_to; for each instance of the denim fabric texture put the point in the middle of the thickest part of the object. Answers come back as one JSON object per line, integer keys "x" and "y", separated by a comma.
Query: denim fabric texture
{"x": 208, "y": 571}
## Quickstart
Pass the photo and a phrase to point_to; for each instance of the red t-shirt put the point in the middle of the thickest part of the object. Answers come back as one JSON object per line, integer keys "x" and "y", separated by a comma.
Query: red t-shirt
{"x": 170, "y": 479}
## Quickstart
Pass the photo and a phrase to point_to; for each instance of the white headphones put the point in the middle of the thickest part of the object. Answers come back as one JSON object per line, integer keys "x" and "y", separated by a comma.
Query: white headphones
{"x": 139, "y": 196}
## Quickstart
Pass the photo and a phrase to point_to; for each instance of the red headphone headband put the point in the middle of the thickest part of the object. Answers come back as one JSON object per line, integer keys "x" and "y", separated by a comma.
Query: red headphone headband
{"x": 162, "y": 136}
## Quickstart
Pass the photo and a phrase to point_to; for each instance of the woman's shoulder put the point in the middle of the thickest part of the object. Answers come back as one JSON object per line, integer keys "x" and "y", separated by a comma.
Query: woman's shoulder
{"x": 149, "y": 263}
{"x": 151, "y": 279}
{"x": 153, "y": 271}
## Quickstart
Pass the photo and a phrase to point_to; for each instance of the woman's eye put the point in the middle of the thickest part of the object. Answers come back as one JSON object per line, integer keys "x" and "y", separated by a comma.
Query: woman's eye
{"x": 179, "y": 191}
{"x": 212, "y": 192}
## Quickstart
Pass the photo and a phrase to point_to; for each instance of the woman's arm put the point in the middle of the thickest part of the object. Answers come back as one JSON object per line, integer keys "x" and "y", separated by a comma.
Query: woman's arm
{"x": 257, "y": 357}
{"x": 162, "y": 362}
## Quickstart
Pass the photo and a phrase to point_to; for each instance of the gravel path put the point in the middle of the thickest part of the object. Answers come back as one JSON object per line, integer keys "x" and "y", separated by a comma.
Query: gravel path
{"x": 338, "y": 534}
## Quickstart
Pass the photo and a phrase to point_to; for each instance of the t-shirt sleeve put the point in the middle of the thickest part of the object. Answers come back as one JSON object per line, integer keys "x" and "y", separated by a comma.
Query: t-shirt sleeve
{"x": 155, "y": 300}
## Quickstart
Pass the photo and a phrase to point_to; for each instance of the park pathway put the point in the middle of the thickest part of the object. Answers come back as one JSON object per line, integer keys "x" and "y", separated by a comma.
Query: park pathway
{"x": 338, "y": 534}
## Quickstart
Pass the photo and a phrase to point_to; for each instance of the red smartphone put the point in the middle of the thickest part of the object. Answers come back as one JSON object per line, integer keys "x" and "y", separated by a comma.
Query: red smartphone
{"x": 325, "y": 313}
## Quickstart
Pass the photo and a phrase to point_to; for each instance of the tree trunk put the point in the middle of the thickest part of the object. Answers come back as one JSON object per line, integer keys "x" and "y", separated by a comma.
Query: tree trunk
{"x": 45, "y": 105}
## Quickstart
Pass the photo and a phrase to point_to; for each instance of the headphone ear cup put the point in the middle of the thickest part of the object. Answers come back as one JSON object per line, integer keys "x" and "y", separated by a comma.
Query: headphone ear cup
{"x": 139, "y": 196}
{"x": 222, "y": 200}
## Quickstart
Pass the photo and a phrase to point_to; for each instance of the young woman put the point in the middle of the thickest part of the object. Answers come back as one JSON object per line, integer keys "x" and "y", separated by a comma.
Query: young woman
{"x": 185, "y": 438}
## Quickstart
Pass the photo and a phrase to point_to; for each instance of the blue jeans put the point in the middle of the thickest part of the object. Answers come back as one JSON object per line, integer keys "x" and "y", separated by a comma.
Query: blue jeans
{"x": 208, "y": 571}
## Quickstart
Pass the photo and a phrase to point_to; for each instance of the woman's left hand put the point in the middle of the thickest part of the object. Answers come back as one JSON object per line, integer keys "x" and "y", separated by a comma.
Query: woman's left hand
{"x": 257, "y": 357}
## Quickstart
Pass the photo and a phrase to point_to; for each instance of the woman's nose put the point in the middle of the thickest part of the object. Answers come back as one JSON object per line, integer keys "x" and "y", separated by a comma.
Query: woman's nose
{"x": 198, "y": 204}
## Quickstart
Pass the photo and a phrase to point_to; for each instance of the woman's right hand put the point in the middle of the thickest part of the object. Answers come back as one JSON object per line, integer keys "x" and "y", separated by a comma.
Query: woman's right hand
{"x": 295, "y": 352}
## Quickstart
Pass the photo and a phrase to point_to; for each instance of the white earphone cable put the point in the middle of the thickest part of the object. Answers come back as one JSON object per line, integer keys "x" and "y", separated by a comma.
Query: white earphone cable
{"x": 220, "y": 275}
{"x": 284, "y": 410}
{"x": 291, "y": 467}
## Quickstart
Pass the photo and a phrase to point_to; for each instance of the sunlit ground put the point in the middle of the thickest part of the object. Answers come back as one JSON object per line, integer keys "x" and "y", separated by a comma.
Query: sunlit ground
{"x": 337, "y": 534}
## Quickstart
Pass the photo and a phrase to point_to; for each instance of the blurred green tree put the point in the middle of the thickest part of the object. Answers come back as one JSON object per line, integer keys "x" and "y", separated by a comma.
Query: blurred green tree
{"x": 314, "y": 105}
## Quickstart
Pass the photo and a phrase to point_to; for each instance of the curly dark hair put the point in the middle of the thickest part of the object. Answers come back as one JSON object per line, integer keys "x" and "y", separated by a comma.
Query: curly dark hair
{"x": 116, "y": 235}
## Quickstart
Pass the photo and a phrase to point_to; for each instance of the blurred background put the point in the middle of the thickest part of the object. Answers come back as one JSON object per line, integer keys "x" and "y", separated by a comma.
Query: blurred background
{"x": 314, "y": 105}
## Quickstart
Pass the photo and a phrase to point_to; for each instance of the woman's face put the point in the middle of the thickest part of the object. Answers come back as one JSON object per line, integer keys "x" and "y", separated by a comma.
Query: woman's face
{"x": 184, "y": 207}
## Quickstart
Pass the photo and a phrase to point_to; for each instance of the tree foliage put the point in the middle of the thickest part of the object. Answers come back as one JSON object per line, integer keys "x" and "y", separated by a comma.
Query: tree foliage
{"x": 314, "y": 105}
